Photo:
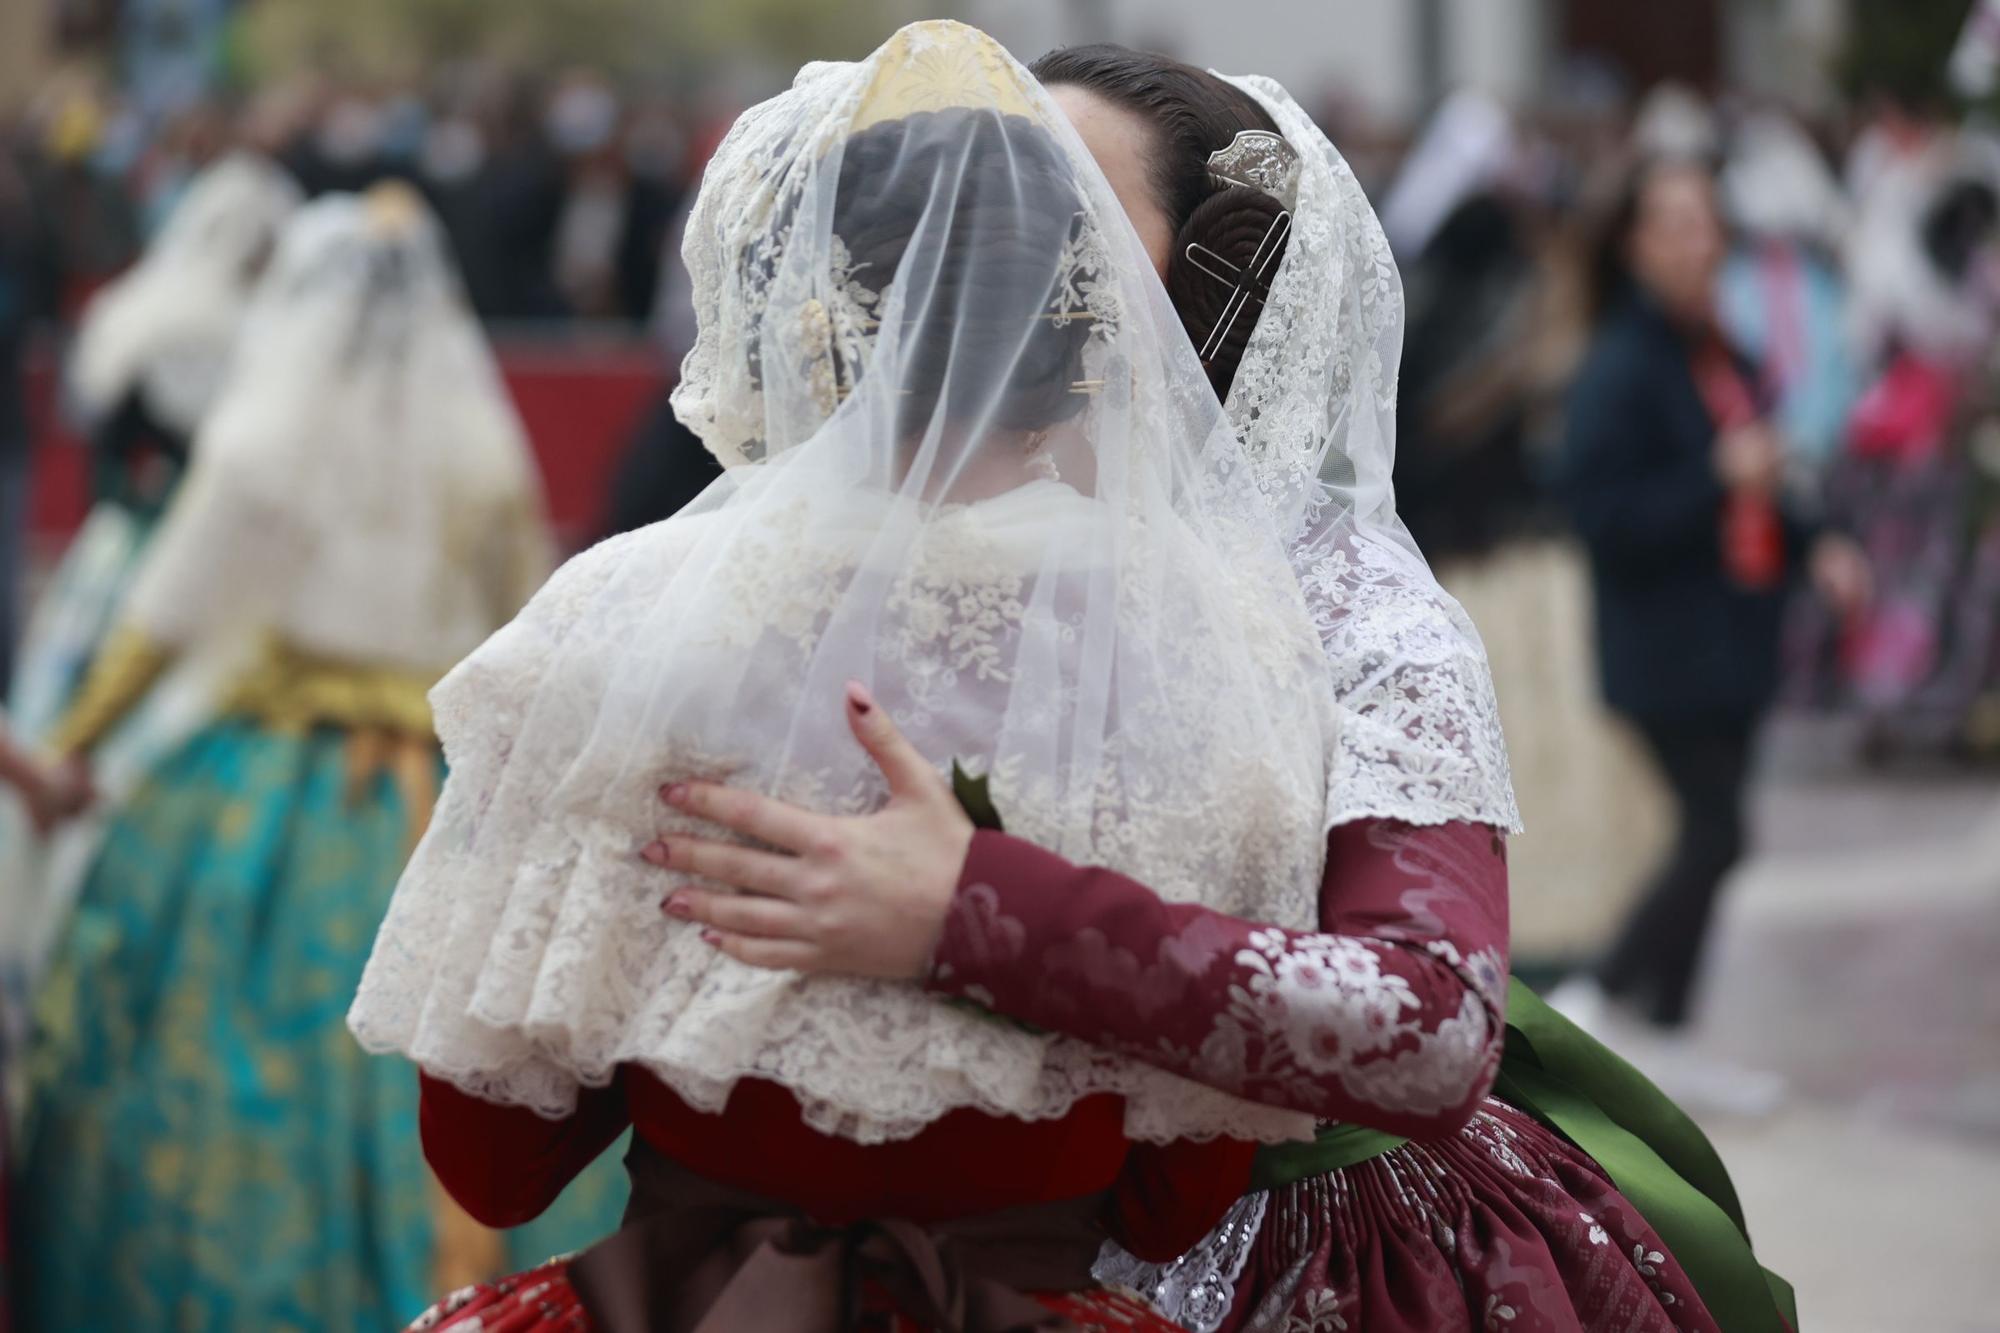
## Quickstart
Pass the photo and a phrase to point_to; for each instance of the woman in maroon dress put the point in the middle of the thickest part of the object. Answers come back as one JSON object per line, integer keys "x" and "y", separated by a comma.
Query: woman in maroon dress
{"x": 1390, "y": 1015}
{"x": 1384, "y": 1011}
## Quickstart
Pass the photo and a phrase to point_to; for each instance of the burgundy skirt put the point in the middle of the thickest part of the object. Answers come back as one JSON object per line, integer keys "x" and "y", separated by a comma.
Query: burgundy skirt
{"x": 1502, "y": 1228}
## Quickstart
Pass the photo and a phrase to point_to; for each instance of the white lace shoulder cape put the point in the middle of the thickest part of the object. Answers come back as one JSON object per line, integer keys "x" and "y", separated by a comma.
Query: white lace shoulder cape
{"x": 525, "y": 956}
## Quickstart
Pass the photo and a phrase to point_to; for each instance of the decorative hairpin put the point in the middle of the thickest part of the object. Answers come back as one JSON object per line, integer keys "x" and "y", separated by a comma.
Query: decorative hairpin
{"x": 1259, "y": 160}
{"x": 1256, "y": 160}
{"x": 1250, "y": 283}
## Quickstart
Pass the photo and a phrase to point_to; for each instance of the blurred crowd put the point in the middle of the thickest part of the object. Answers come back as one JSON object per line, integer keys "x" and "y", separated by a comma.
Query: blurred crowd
{"x": 557, "y": 192}
{"x": 1856, "y": 277}
{"x": 1860, "y": 277}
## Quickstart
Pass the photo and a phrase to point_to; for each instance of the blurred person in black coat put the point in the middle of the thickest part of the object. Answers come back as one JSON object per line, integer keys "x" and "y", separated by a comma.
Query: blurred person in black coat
{"x": 1672, "y": 474}
{"x": 1467, "y": 390}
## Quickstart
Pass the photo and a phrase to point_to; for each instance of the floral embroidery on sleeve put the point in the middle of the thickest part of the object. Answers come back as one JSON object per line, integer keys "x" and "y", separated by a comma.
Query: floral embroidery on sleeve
{"x": 1390, "y": 1016}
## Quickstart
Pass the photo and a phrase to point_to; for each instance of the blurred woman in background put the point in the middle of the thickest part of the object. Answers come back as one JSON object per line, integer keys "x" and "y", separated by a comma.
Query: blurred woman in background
{"x": 206, "y": 1148}
{"x": 147, "y": 362}
{"x": 146, "y": 365}
{"x": 1673, "y": 471}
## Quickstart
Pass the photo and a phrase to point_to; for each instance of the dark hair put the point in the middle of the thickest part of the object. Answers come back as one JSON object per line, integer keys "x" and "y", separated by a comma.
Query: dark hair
{"x": 1000, "y": 242}
{"x": 1609, "y": 279}
{"x": 1193, "y": 113}
{"x": 974, "y": 348}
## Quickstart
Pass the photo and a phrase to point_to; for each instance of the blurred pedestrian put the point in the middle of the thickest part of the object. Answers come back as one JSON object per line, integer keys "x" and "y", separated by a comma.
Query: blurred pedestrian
{"x": 513, "y": 205}
{"x": 1673, "y": 469}
{"x": 205, "y": 1146}
{"x": 616, "y": 203}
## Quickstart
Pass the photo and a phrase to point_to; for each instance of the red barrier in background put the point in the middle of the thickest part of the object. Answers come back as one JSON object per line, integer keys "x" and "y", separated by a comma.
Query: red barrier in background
{"x": 580, "y": 397}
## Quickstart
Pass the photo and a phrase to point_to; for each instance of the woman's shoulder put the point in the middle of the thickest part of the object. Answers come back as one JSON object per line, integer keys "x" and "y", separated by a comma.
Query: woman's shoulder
{"x": 587, "y": 599}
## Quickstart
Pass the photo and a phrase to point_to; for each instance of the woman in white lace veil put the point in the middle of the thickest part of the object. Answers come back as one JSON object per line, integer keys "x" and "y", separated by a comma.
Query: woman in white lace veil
{"x": 977, "y": 479}
{"x": 145, "y": 366}
{"x": 143, "y": 369}
{"x": 360, "y": 510}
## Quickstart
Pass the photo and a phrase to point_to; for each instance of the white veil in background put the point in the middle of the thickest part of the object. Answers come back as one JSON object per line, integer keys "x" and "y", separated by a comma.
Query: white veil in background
{"x": 167, "y": 324}
{"x": 360, "y": 489}
{"x": 362, "y": 486}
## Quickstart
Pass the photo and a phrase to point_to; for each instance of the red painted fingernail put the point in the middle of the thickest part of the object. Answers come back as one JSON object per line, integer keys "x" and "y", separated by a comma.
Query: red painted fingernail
{"x": 656, "y": 852}
{"x": 710, "y": 937}
{"x": 674, "y": 793}
{"x": 857, "y": 695}
{"x": 678, "y": 906}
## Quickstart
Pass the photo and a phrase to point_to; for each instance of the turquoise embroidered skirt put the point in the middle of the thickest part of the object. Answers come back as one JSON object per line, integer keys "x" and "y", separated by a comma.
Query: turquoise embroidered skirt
{"x": 207, "y": 1148}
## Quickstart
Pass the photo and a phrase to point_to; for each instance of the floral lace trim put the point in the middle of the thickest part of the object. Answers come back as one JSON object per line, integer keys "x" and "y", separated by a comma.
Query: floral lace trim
{"x": 1419, "y": 736}
{"x": 1314, "y": 401}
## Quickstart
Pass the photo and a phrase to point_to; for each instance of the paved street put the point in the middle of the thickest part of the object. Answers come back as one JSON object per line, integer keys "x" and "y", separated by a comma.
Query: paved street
{"x": 1860, "y": 955}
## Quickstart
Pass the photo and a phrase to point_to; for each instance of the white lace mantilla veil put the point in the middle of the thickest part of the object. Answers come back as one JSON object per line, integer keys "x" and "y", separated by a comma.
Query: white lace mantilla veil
{"x": 362, "y": 487}
{"x": 1314, "y": 397}
{"x": 976, "y": 465}
{"x": 167, "y": 323}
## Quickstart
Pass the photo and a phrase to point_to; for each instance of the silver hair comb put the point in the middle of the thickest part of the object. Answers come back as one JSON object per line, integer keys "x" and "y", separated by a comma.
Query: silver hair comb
{"x": 1259, "y": 160}
{"x": 1256, "y": 160}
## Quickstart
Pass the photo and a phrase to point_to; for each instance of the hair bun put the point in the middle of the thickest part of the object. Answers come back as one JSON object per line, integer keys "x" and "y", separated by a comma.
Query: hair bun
{"x": 1231, "y": 223}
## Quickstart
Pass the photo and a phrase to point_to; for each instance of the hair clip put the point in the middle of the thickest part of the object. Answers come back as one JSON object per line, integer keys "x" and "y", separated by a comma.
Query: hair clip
{"x": 1091, "y": 387}
{"x": 1259, "y": 160}
{"x": 1256, "y": 160}
{"x": 1250, "y": 283}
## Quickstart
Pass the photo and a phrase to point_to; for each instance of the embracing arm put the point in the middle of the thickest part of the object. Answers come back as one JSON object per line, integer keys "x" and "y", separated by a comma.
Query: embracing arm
{"x": 1389, "y": 1016}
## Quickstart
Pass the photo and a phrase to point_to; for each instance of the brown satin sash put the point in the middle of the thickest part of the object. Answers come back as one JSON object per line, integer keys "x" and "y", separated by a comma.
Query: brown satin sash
{"x": 695, "y": 1256}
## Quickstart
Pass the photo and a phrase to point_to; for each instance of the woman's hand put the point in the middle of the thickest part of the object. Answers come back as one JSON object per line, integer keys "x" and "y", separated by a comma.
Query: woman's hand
{"x": 864, "y": 896}
{"x": 51, "y": 791}
{"x": 1750, "y": 458}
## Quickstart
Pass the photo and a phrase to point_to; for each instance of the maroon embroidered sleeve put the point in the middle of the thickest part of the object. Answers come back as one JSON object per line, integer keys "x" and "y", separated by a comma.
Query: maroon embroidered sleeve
{"x": 1388, "y": 1016}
